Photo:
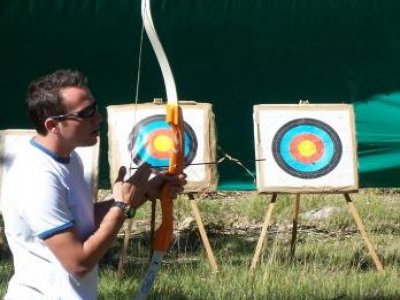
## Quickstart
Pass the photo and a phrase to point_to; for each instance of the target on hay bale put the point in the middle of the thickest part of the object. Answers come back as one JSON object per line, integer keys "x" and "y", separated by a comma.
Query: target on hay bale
{"x": 305, "y": 148}
{"x": 138, "y": 133}
{"x": 11, "y": 141}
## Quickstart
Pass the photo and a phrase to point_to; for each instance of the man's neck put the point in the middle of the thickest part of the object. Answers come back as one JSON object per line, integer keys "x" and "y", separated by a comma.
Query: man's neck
{"x": 51, "y": 143}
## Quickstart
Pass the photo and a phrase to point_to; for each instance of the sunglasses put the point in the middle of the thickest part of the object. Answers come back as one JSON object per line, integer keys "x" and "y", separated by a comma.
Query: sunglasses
{"x": 85, "y": 113}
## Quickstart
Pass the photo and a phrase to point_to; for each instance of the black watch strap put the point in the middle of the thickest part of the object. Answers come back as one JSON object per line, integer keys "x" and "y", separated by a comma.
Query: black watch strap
{"x": 127, "y": 209}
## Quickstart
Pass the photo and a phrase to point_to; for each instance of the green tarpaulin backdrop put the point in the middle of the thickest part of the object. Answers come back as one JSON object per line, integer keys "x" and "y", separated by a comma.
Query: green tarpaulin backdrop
{"x": 231, "y": 53}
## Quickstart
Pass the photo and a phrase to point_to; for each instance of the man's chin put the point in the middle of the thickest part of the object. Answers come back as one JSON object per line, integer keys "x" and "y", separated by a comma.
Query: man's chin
{"x": 93, "y": 141}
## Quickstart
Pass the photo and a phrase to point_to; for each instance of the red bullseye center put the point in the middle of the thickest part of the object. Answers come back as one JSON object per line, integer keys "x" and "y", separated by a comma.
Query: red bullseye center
{"x": 160, "y": 143}
{"x": 307, "y": 148}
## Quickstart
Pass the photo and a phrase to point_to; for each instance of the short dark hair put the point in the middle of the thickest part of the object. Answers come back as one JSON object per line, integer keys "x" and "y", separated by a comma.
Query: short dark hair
{"x": 43, "y": 97}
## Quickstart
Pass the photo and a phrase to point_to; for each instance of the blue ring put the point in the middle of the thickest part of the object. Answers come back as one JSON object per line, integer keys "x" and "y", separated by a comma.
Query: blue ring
{"x": 138, "y": 137}
{"x": 284, "y": 158}
{"x": 288, "y": 157}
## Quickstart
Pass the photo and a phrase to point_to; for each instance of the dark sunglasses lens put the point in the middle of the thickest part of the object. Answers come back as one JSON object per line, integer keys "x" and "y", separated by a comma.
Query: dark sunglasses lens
{"x": 88, "y": 111}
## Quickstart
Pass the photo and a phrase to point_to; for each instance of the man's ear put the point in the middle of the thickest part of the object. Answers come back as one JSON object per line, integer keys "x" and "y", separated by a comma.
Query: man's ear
{"x": 51, "y": 125}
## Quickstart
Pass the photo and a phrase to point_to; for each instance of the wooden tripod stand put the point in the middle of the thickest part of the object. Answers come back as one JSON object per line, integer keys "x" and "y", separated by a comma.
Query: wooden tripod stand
{"x": 352, "y": 209}
{"x": 203, "y": 234}
{"x": 202, "y": 231}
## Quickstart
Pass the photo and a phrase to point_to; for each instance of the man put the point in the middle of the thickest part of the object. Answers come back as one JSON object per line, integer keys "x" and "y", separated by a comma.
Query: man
{"x": 56, "y": 233}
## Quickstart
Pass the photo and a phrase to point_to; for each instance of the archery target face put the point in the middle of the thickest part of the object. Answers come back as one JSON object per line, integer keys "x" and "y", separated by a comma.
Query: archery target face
{"x": 152, "y": 141}
{"x": 139, "y": 133}
{"x": 305, "y": 148}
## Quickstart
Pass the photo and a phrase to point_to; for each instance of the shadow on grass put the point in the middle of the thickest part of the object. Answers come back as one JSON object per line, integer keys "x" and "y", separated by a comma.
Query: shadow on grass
{"x": 187, "y": 248}
{"x": 236, "y": 248}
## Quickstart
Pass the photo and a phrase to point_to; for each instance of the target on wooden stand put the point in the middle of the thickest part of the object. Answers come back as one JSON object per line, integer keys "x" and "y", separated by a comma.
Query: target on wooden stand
{"x": 138, "y": 133}
{"x": 305, "y": 148}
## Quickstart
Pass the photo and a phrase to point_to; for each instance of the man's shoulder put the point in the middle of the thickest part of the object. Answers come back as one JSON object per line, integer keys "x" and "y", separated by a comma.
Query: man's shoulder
{"x": 27, "y": 156}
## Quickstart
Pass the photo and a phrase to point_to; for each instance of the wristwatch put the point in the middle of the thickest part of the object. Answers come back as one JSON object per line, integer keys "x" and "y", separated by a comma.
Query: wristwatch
{"x": 128, "y": 210}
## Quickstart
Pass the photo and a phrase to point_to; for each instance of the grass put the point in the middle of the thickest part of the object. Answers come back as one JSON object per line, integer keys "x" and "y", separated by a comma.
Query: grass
{"x": 331, "y": 259}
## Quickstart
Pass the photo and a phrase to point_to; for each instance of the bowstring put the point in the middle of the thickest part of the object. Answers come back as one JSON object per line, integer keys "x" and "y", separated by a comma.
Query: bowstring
{"x": 137, "y": 86}
{"x": 139, "y": 71}
{"x": 132, "y": 169}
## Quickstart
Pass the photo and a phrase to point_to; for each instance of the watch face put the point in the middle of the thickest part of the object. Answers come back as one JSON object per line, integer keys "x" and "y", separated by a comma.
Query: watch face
{"x": 119, "y": 204}
{"x": 127, "y": 209}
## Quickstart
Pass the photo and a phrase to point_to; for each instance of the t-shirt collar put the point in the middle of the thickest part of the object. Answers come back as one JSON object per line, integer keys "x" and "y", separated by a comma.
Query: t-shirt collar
{"x": 53, "y": 155}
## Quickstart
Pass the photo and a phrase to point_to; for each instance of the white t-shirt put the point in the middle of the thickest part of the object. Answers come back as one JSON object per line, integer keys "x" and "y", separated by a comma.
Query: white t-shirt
{"x": 45, "y": 194}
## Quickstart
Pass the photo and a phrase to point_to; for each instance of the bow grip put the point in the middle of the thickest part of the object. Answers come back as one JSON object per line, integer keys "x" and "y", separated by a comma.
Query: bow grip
{"x": 163, "y": 235}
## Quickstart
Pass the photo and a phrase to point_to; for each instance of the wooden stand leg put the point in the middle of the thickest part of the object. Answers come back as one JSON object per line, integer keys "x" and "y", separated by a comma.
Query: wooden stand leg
{"x": 203, "y": 234}
{"x": 124, "y": 248}
{"x": 264, "y": 231}
{"x": 152, "y": 227}
{"x": 295, "y": 224}
{"x": 361, "y": 228}
{"x": 127, "y": 236}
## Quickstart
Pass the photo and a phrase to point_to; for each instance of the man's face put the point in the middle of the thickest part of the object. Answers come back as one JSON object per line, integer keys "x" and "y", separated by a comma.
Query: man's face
{"x": 80, "y": 123}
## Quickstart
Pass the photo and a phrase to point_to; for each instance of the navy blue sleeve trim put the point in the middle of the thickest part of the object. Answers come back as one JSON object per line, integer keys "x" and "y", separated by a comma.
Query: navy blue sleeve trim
{"x": 53, "y": 231}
